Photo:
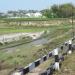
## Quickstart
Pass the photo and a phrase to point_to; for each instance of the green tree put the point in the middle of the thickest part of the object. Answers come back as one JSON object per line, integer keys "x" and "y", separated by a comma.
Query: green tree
{"x": 59, "y": 11}
{"x": 64, "y": 10}
{"x": 47, "y": 13}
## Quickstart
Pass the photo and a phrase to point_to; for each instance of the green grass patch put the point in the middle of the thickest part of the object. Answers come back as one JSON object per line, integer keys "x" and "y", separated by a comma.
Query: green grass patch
{"x": 24, "y": 54}
{"x": 68, "y": 66}
{"x": 32, "y": 29}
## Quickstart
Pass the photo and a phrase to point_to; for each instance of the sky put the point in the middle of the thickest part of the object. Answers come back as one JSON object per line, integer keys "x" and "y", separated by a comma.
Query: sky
{"x": 6, "y": 5}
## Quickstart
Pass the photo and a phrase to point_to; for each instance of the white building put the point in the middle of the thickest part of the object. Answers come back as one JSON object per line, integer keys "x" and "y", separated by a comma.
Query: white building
{"x": 27, "y": 15}
{"x": 38, "y": 14}
{"x": 34, "y": 15}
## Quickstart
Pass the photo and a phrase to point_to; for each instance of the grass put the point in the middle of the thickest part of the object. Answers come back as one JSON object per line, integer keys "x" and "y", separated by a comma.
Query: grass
{"x": 16, "y": 29}
{"x": 23, "y": 55}
{"x": 55, "y": 43}
{"x": 32, "y": 19}
{"x": 20, "y": 57}
{"x": 15, "y": 43}
{"x": 9, "y": 30}
{"x": 68, "y": 66}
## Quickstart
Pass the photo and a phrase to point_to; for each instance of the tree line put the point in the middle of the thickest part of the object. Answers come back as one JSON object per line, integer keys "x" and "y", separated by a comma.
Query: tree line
{"x": 55, "y": 11}
{"x": 60, "y": 11}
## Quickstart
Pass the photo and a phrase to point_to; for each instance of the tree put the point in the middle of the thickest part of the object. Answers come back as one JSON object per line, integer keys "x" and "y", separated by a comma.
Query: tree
{"x": 47, "y": 13}
{"x": 59, "y": 11}
{"x": 64, "y": 10}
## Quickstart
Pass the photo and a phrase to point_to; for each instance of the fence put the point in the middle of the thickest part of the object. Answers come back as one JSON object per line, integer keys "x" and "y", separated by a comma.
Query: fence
{"x": 58, "y": 60}
{"x": 54, "y": 66}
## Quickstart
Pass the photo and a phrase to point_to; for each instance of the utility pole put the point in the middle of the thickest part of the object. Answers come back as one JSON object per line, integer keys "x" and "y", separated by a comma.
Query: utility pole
{"x": 72, "y": 23}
